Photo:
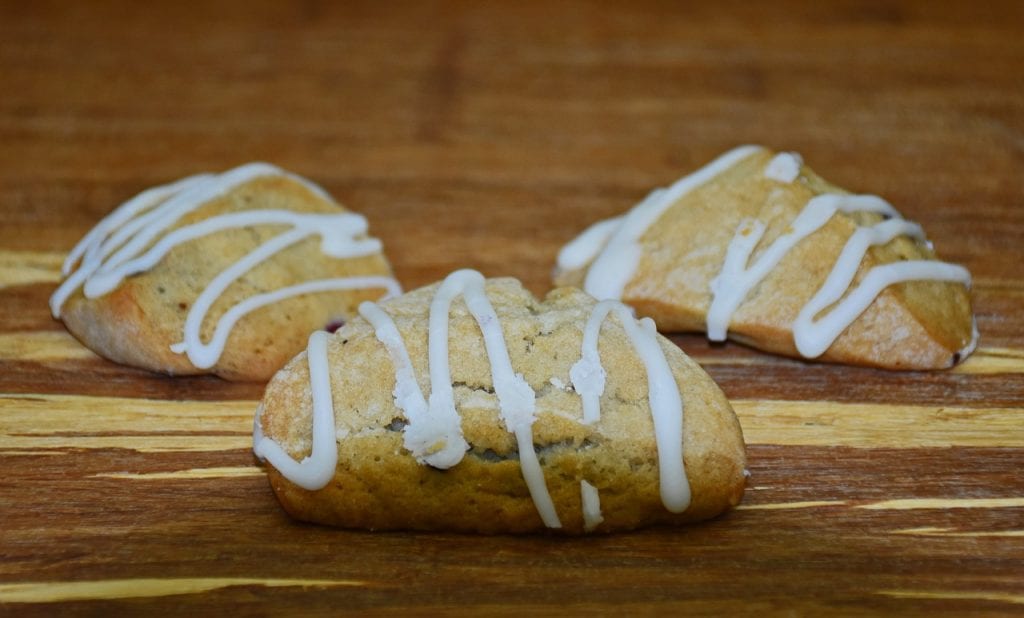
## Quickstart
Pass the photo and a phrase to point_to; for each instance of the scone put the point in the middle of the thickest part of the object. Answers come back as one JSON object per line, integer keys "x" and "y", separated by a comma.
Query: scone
{"x": 757, "y": 247}
{"x": 219, "y": 273}
{"x": 470, "y": 406}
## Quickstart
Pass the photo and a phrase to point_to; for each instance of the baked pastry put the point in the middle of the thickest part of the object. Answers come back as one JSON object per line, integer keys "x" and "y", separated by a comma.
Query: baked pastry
{"x": 470, "y": 406}
{"x": 223, "y": 274}
{"x": 756, "y": 246}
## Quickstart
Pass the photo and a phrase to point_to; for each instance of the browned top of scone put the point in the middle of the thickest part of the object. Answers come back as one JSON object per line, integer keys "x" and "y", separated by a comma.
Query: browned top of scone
{"x": 617, "y": 454}
{"x": 912, "y": 325}
{"x": 136, "y": 323}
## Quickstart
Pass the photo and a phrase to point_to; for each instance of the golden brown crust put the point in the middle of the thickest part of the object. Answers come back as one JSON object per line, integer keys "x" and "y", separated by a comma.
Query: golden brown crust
{"x": 914, "y": 325}
{"x": 136, "y": 323}
{"x": 379, "y": 485}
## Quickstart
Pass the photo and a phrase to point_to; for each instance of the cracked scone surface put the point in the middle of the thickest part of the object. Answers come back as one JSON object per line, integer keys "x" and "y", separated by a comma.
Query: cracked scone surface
{"x": 138, "y": 322}
{"x": 910, "y": 325}
{"x": 379, "y": 485}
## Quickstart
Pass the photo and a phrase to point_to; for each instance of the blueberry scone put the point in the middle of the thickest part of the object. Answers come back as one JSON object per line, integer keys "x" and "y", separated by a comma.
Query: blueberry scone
{"x": 219, "y": 273}
{"x": 758, "y": 248}
{"x": 471, "y": 406}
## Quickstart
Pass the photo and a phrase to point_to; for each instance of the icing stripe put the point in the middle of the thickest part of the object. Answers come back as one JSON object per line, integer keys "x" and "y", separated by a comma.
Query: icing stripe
{"x": 972, "y": 345}
{"x": 735, "y": 280}
{"x": 585, "y": 247}
{"x": 339, "y": 231}
{"x": 587, "y": 374}
{"x": 617, "y": 261}
{"x": 784, "y": 167}
{"x": 121, "y": 215}
{"x": 812, "y": 336}
{"x": 136, "y": 234}
{"x": 434, "y": 436}
{"x": 117, "y": 248}
{"x": 205, "y": 355}
{"x": 591, "y": 500}
{"x": 662, "y": 392}
{"x": 516, "y": 399}
{"x": 315, "y": 471}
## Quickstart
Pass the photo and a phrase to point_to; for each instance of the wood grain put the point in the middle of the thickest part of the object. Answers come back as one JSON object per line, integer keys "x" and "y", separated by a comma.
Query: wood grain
{"x": 486, "y": 135}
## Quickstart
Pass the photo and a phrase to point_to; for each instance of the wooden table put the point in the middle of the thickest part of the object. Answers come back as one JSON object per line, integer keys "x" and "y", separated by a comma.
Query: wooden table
{"x": 486, "y": 136}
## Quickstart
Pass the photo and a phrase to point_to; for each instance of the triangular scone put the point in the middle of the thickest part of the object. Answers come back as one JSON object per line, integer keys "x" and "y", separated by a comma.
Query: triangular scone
{"x": 407, "y": 419}
{"x": 757, "y": 246}
{"x": 219, "y": 273}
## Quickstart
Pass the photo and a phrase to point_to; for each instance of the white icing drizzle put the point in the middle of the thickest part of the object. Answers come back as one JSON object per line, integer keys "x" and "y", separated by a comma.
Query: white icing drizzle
{"x": 663, "y": 393}
{"x": 516, "y": 400}
{"x": 591, "y": 501}
{"x": 735, "y": 280}
{"x": 433, "y": 436}
{"x": 812, "y": 337}
{"x": 116, "y": 249}
{"x": 121, "y": 215}
{"x": 587, "y": 374}
{"x": 619, "y": 256}
{"x": 204, "y": 355}
{"x": 784, "y": 167}
{"x": 433, "y": 433}
{"x": 582, "y": 249}
{"x": 315, "y": 471}
{"x": 968, "y": 349}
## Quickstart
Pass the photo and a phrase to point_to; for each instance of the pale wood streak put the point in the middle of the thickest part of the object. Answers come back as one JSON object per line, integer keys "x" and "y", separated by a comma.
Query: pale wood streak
{"x": 190, "y": 474}
{"x": 25, "y": 267}
{"x": 139, "y": 443}
{"x": 990, "y": 361}
{"x": 905, "y": 504}
{"x": 951, "y": 532}
{"x": 824, "y": 423}
{"x": 41, "y": 421}
{"x": 43, "y": 346}
{"x": 52, "y": 592}
{"x": 955, "y": 595}
{"x": 779, "y": 506}
{"x": 993, "y": 361}
{"x": 44, "y": 414}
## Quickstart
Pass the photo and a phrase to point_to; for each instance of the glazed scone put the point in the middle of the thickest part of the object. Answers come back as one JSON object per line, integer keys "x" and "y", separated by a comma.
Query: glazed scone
{"x": 406, "y": 419}
{"x": 219, "y": 273}
{"x": 755, "y": 246}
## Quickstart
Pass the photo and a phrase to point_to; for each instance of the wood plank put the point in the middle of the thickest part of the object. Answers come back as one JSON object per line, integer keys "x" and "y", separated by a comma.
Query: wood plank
{"x": 68, "y": 421}
{"x": 850, "y": 488}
